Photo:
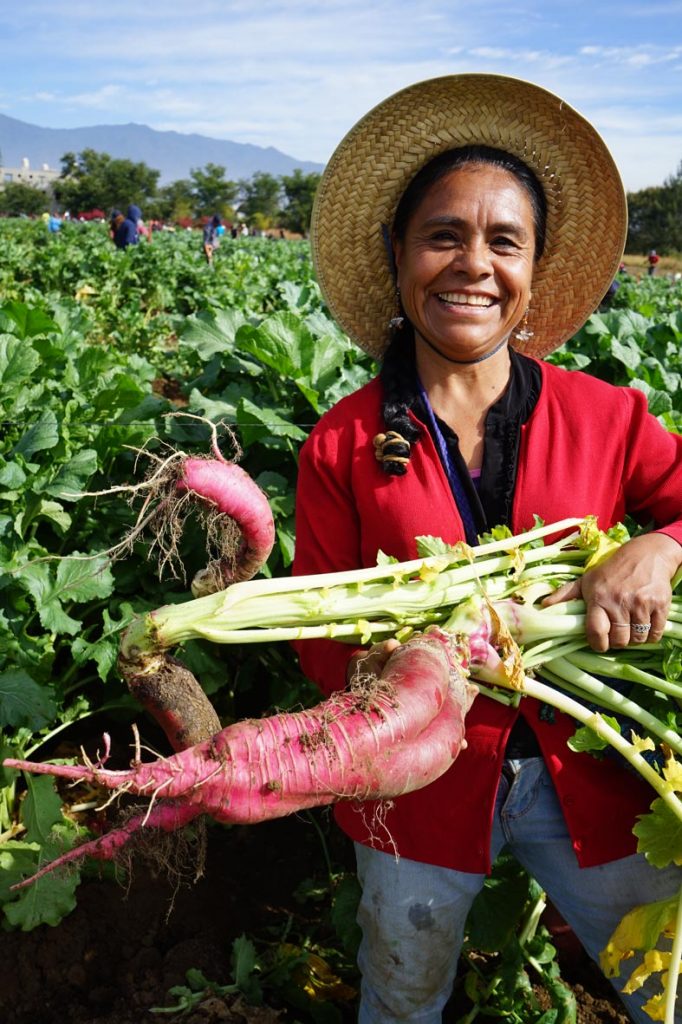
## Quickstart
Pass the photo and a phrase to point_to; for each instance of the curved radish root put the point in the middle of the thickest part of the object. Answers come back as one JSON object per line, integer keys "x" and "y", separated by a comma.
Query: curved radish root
{"x": 349, "y": 747}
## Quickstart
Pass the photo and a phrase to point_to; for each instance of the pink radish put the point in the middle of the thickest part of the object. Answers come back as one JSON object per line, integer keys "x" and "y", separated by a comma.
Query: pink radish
{"x": 163, "y": 686}
{"x": 396, "y": 739}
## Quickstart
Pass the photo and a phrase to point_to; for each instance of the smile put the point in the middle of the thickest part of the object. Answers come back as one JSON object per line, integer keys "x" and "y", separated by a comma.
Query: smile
{"x": 464, "y": 299}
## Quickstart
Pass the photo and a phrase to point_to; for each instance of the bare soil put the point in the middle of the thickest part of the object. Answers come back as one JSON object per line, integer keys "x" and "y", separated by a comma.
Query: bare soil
{"x": 118, "y": 954}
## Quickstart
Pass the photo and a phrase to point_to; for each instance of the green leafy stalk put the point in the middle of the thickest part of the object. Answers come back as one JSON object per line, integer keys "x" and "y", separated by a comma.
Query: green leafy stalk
{"x": 414, "y": 593}
{"x": 595, "y": 721}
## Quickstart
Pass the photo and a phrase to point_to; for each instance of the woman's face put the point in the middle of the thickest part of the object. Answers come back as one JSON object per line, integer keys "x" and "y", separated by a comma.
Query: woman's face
{"x": 465, "y": 264}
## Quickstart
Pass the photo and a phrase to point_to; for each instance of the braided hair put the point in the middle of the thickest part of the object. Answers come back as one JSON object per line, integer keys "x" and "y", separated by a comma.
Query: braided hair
{"x": 397, "y": 374}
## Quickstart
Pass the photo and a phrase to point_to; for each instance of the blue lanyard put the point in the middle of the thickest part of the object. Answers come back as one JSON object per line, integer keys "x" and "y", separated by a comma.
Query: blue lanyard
{"x": 456, "y": 486}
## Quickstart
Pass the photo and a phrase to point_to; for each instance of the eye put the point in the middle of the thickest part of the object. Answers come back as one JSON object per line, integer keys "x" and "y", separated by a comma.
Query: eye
{"x": 504, "y": 242}
{"x": 444, "y": 236}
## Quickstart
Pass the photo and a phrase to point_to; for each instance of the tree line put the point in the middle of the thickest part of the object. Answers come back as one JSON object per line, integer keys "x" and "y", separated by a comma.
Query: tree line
{"x": 97, "y": 181}
{"x": 92, "y": 180}
{"x": 655, "y": 217}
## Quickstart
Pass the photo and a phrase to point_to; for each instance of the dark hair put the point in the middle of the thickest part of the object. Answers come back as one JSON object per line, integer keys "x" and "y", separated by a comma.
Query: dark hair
{"x": 397, "y": 370}
{"x": 452, "y": 159}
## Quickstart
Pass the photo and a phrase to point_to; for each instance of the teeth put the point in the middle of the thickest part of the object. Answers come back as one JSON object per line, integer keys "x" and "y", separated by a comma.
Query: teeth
{"x": 466, "y": 300}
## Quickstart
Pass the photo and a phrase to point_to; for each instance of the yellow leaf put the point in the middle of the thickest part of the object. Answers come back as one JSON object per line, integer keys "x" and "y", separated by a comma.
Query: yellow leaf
{"x": 654, "y": 962}
{"x": 639, "y": 930}
{"x": 672, "y": 773}
{"x": 655, "y": 1007}
{"x": 318, "y": 981}
{"x": 642, "y": 743}
{"x": 518, "y": 558}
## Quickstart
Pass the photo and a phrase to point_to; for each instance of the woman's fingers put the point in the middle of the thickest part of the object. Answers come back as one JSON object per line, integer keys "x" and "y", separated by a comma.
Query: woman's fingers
{"x": 372, "y": 661}
{"x": 567, "y": 592}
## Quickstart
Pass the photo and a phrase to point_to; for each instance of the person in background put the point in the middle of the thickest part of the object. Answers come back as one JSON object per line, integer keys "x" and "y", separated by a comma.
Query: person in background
{"x": 116, "y": 218}
{"x": 211, "y": 238}
{"x": 54, "y": 223}
{"x": 127, "y": 233}
{"x": 446, "y": 227}
{"x": 652, "y": 260}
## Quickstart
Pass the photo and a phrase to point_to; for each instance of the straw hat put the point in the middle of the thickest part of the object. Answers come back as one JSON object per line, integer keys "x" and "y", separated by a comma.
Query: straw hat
{"x": 363, "y": 181}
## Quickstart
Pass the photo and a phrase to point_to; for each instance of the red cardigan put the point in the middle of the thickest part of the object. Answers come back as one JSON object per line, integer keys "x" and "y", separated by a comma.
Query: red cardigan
{"x": 587, "y": 448}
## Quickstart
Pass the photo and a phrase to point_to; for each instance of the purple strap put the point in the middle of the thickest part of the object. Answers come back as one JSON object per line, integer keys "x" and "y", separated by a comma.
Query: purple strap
{"x": 456, "y": 485}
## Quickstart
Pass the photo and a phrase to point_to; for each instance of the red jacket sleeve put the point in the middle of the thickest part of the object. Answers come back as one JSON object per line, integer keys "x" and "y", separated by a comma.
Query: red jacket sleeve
{"x": 327, "y": 540}
{"x": 652, "y": 473}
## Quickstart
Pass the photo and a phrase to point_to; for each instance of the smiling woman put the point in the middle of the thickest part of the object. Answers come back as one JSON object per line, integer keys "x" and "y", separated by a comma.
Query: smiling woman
{"x": 465, "y": 263}
{"x": 464, "y": 229}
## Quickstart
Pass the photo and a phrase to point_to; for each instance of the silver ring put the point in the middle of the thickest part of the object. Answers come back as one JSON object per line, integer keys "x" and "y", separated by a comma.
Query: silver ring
{"x": 636, "y": 627}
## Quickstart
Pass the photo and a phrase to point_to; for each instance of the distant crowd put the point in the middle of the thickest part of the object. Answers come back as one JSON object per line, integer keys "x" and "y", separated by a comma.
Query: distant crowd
{"x": 129, "y": 228}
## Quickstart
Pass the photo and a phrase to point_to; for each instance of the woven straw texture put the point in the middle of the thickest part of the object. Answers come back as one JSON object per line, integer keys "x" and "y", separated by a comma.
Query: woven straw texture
{"x": 361, "y": 186}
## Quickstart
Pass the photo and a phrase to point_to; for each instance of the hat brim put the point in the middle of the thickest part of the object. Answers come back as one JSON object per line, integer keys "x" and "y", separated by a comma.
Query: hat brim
{"x": 371, "y": 167}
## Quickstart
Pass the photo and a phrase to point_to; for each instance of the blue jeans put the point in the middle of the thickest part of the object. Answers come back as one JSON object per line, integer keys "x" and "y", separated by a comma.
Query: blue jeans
{"x": 412, "y": 915}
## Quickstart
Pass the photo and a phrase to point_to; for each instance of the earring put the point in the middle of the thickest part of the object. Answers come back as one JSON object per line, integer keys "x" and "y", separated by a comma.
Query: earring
{"x": 523, "y": 332}
{"x": 396, "y": 322}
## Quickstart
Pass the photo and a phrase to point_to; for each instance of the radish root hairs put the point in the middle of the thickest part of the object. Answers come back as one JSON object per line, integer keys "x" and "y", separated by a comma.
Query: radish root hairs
{"x": 346, "y": 748}
{"x": 239, "y": 526}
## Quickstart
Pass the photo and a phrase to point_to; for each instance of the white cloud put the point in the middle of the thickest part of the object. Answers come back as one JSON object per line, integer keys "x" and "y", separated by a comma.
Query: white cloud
{"x": 296, "y": 74}
{"x": 633, "y": 56}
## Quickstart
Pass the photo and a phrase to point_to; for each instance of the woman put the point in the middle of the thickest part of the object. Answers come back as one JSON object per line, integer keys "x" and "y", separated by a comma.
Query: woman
{"x": 211, "y": 238}
{"x": 447, "y": 241}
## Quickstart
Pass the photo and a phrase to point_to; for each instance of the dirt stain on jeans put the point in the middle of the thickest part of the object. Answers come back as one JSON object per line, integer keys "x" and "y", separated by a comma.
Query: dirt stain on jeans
{"x": 420, "y": 916}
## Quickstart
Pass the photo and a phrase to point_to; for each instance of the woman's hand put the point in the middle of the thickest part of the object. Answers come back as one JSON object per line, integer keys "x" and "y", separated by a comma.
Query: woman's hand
{"x": 371, "y": 661}
{"x": 628, "y": 595}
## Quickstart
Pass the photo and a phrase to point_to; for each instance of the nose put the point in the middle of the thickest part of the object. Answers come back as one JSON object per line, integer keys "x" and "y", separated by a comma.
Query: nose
{"x": 473, "y": 259}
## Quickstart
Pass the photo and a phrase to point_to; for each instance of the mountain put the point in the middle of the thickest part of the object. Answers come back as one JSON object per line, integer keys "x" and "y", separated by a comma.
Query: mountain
{"x": 171, "y": 153}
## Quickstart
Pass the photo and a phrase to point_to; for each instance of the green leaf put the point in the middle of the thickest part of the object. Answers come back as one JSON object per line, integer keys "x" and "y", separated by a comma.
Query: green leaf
{"x": 586, "y": 740}
{"x": 214, "y": 409}
{"x": 286, "y": 541}
{"x": 42, "y": 808}
{"x": 18, "y": 362}
{"x": 244, "y": 964}
{"x": 47, "y": 900}
{"x": 659, "y": 402}
{"x": 265, "y": 424}
{"x": 72, "y": 476}
{"x": 627, "y": 353}
{"x": 496, "y": 910}
{"x": 44, "y": 433}
{"x": 76, "y": 580}
{"x": 124, "y": 393}
{"x": 84, "y": 580}
{"x": 660, "y": 835}
{"x": 23, "y": 702}
{"x": 282, "y": 342}
{"x": 344, "y": 909}
{"x": 211, "y": 333}
{"x": 28, "y": 322}
{"x": 17, "y": 860}
{"x": 104, "y": 650}
{"x": 12, "y": 475}
{"x": 55, "y": 512}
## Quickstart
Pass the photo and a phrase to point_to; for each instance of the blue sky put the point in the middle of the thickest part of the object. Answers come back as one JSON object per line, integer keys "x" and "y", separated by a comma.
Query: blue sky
{"x": 296, "y": 74}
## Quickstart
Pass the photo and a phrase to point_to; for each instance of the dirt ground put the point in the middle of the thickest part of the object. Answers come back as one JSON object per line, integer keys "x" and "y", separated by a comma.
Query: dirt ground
{"x": 118, "y": 954}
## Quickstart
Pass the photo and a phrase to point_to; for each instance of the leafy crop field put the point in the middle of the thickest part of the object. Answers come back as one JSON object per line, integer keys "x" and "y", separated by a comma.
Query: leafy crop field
{"x": 102, "y": 356}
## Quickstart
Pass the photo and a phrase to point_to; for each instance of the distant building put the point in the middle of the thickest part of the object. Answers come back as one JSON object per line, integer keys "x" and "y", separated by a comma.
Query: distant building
{"x": 26, "y": 175}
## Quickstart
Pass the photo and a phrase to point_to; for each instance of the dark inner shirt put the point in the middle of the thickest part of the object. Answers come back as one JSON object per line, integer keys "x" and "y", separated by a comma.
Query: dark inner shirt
{"x": 491, "y": 494}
